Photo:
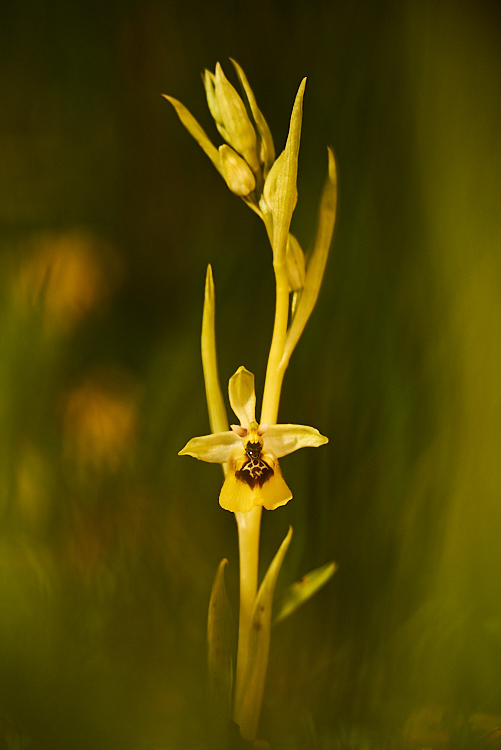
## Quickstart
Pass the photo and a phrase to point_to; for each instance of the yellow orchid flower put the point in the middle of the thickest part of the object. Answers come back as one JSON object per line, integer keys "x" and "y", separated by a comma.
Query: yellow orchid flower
{"x": 251, "y": 451}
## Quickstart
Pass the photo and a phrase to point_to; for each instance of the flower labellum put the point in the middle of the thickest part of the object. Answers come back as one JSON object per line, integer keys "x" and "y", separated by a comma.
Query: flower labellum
{"x": 252, "y": 451}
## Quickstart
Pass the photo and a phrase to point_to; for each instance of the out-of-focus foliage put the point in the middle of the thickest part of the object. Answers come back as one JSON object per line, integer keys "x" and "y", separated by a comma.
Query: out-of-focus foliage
{"x": 109, "y": 215}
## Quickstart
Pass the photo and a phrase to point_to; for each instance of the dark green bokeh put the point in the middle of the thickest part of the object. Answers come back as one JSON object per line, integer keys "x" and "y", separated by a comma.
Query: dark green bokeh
{"x": 109, "y": 215}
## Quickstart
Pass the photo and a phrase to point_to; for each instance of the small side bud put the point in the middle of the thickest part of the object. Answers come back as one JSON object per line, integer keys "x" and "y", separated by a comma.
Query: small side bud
{"x": 294, "y": 259}
{"x": 236, "y": 172}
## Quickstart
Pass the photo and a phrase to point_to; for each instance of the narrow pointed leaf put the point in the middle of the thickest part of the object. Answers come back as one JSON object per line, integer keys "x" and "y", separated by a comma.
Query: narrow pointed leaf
{"x": 318, "y": 259}
{"x": 215, "y": 403}
{"x": 248, "y": 702}
{"x": 267, "y": 146}
{"x": 221, "y": 646}
{"x": 196, "y": 130}
{"x": 301, "y": 591}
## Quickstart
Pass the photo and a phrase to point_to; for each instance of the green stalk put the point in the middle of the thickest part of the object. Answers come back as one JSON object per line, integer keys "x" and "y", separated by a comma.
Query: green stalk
{"x": 275, "y": 370}
{"x": 247, "y": 699}
{"x": 259, "y": 646}
{"x": 249, "y": 526}
{"x": 279, "y": 199}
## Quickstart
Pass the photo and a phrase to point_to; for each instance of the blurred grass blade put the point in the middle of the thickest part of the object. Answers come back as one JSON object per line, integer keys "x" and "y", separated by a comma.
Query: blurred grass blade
{"x": 220, "y": 643}
{"x": 215, "y": 403}
{"x": 248, "y": 702}
{"x": 302, "y": 590}
{"x": 317, "y": 261}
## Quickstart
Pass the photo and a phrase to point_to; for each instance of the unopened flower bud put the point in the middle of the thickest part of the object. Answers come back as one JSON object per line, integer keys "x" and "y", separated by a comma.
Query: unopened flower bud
{"x": 236, "y": 171}
{"x": 235, "y": 125}
{"x": 210, "y": 92}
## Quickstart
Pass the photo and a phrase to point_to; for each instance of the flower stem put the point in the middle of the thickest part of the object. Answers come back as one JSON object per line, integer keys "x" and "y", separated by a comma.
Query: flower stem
{"x": 249, "y": 525}
{"x": 247, "y": 705}
{"x": 275, "y": 370}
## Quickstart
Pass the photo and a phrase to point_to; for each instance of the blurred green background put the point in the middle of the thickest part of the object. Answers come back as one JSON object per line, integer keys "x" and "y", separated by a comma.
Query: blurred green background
{"x": 109, "y": 214}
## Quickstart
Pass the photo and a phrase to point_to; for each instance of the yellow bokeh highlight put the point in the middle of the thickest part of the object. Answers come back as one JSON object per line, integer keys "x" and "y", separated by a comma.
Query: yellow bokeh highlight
{"x": 100, "y": 420}
{"x": 66, "y": 276}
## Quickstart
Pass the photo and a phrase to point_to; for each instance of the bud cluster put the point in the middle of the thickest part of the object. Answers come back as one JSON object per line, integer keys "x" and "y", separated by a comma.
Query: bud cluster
{"x": 268, "y": 185}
